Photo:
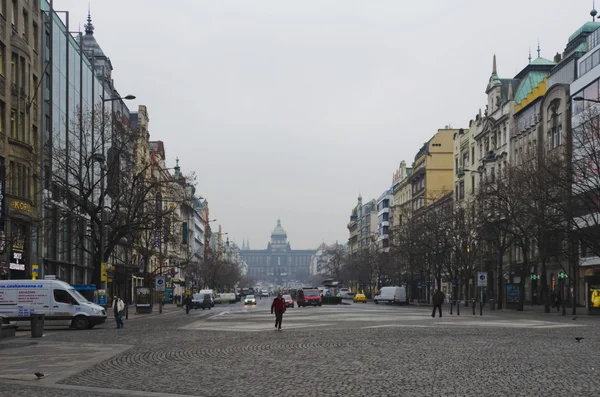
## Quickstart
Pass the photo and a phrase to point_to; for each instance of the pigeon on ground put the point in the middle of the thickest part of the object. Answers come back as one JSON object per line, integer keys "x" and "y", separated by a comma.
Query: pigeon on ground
{"x": 578, "y": 339}
{"x": 39, "y": 374}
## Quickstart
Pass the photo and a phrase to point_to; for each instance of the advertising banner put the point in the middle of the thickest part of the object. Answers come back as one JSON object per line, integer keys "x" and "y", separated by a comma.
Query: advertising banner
{"x": 512, "y": 293}
{"x": 142, "y": 297}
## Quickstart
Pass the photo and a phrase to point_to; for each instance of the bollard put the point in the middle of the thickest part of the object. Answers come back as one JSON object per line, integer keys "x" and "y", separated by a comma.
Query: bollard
{"x": 473, "y": 304}
{"x": 37, "y": 325}
{"x": 451, "y": 304}
{"x": 481, "y": 308}
{"x": 127, "y": 312}
{"x": 160, "y": 307}
{"x": 458, "y": 307}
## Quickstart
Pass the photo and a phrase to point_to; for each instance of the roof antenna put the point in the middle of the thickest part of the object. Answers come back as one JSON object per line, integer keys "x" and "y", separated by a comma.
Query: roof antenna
{"x": 593, "y": 13}
{"x": 538, "y": 48}
{"x": 529, "y": 54}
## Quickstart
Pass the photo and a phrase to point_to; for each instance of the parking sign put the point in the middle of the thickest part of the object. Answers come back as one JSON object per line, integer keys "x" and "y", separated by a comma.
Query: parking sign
{"x": 482, "y": 279}
{"x": 160, "y": 284}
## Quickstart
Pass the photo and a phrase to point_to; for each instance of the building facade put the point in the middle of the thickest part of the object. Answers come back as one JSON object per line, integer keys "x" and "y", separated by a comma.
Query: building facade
{"x": 432, "y": 171}
{"x": 278, "y": 262}
{"x": 20, "y": 143}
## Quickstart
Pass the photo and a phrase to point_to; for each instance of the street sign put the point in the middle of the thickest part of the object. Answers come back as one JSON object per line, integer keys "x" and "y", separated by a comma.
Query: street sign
{"x": 482, "y": 279}
{"x": 160, "y": 284}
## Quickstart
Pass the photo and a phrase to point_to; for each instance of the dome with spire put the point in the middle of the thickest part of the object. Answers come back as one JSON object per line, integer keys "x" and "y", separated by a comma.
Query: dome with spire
{"x": 89, "y": 43}
{"x": 278, "y": 231}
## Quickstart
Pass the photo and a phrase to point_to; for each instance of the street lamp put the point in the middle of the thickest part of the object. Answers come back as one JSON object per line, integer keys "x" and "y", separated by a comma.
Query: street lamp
{"x": 101, "y": 158}
{"x": 127, "y": 97}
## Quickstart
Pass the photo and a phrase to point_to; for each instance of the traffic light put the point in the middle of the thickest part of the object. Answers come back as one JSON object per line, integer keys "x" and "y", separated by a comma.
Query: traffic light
{"x": 534, "y": 276}
{"x": 562, "y": 275}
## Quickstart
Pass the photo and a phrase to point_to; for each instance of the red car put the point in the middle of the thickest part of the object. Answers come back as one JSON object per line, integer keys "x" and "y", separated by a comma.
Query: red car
{"x": 289, "y": 302}
{"x": 308, "y": 297}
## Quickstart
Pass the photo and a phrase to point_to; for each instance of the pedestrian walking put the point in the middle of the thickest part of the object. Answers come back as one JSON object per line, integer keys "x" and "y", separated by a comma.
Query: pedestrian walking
{"x": 278, "y": 307}
{"x": 438, "y": 299}
{"x": 118, "y": 306}
{"x": 188, "y": 304}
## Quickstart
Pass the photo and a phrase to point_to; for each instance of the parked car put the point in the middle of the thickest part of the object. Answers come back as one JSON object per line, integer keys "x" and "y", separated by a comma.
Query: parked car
{"x": 391, "y": 295}
{"x": 202, "y": 301}
{"x": 250, "y": 300}
{"x": 360, "y": 298}
{"x": 346, "y": 295}
{"x": 289, "y": 302}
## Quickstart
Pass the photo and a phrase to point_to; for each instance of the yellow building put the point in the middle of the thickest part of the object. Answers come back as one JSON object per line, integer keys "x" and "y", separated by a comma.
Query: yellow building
{"x": 402, "y": 196}
{"x": 433, "y": 170}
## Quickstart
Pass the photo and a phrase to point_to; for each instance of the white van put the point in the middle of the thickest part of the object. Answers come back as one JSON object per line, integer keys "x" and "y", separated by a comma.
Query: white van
{"x": 391, "y": 295}
{"x": 209, "y": 292}
{"x": 57, "y": 300}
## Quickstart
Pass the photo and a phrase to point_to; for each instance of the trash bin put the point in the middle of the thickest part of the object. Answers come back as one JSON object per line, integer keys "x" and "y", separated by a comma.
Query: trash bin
{"x": 37, "y": 325}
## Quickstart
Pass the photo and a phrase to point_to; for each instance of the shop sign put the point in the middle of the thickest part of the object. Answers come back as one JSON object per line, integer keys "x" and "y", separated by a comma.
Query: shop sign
{"x": 20, "y": 206}
{"x": 103, "y": 271}
{"x": 17, "y": 266}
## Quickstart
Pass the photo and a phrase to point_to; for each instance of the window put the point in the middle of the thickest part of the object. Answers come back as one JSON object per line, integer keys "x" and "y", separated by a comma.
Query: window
{"x": 554, "y": 137}
{"x": 22, "y": 133}
{"x": 13, "y": 178}
{"x": 15, "y": 14}
{"x": 35, "y": 37}
{"x": 2, "y": 50}
{"x": 2, "y": 116}
{"x": 13, "y": 123}
{"x": 13, "y": 69}
{"x": 472, "y": 184}
{"x": 456, "y": 165}
{"x": 559, "y": 135}
{"x": 23, "y": 75}
{"x": 466, "y": 159}
{"x": 473, "y": 155}
{"x": 461, "y": 189}
{"x": 62, "y": 296}
{"x": 25, "y": 25}
{"x": 34, "y": 137}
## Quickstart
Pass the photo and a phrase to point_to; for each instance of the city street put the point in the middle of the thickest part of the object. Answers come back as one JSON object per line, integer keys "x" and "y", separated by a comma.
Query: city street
{"x": 357, "y": 349}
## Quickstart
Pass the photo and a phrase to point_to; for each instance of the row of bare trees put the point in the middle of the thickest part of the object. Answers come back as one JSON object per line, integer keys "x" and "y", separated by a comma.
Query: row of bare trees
{"x": 535, "y": 217}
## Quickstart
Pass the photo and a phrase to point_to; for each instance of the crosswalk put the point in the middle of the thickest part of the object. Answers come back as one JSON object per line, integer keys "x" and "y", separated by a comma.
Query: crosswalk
{"x": 355, "y": 317}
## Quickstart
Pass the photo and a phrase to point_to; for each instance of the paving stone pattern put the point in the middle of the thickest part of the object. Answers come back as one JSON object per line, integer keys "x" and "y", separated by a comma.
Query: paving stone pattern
{"x": 422, "y": 360}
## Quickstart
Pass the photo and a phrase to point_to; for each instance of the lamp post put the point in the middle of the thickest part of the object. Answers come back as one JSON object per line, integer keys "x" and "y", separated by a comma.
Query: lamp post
{"x": 101, "y": 158}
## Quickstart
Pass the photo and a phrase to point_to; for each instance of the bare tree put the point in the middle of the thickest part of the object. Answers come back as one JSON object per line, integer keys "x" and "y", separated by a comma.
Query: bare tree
{"x": 99, "y": 190}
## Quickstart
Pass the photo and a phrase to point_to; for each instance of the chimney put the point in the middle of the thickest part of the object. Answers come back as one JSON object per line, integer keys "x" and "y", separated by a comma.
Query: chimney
{"x": 557, "y": 57}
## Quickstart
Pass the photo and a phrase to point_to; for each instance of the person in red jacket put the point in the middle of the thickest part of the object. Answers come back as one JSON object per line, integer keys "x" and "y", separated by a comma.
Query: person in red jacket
{"x": 279, "y": 307}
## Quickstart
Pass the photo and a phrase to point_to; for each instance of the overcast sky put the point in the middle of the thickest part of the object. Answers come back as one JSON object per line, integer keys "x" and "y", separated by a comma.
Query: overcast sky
{"x": 291, "y": 108}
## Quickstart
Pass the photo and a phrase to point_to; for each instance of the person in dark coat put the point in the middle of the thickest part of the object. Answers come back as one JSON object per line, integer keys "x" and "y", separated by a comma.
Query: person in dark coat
{"x": 438, "y": 299}
{"x": 558, "y": 301}
{"x": 278, "y": 306}
{"x": 188, "y": 303}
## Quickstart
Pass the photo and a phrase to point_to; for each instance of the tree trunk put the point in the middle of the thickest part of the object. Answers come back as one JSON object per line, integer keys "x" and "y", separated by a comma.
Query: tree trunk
{"x": 524, "y": 267}
{"x": 499, "y": 280}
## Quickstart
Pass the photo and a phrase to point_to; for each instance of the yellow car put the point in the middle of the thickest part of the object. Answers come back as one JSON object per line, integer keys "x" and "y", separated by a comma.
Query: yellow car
{"x": 360, "y": 298}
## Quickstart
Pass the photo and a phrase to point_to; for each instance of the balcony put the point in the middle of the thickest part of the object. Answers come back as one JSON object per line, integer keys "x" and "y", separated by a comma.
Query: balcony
{"x": 383, "y": 211}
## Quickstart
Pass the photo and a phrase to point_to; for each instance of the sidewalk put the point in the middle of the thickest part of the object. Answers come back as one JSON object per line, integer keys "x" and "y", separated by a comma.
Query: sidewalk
{"x": 167, "y": 308}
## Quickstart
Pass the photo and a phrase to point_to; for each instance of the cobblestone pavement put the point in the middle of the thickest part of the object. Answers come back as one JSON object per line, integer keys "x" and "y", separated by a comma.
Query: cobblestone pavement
{"x": 348, "y": 351}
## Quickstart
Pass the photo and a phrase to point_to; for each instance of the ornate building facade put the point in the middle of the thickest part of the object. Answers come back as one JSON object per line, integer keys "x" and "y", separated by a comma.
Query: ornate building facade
{"x": 279, "y": 262}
